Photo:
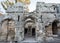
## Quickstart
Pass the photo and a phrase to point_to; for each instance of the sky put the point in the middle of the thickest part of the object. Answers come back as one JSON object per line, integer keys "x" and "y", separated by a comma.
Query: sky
{"x": 32, "y": 5}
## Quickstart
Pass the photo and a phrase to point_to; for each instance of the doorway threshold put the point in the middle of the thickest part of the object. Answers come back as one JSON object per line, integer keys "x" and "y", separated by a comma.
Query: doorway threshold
{"x": 29, "y": 39}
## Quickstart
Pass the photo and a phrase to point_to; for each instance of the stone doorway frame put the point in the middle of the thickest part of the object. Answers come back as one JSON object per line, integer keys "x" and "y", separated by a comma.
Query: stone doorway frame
{"x": 31, "y": 32}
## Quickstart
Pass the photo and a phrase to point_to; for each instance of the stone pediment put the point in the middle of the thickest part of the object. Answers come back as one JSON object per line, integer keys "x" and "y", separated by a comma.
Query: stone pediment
{"x": 16, "y": 8}
{"x": 18, "y": 4}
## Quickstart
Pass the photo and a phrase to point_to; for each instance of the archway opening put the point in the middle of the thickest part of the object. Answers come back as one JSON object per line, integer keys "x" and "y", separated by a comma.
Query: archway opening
{"x": 29, "y": 32}
{"x": 54, "y": 28}
{"x": 33, "y": 32}
{"x": 29, "y": 28}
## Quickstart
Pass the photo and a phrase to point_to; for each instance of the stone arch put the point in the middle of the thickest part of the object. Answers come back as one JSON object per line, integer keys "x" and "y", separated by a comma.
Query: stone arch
{"x": 29, "y": 26}
{"x": 8, "y": 29}
{"x": 50, "y": 28}
{"x": 30, "y": 16}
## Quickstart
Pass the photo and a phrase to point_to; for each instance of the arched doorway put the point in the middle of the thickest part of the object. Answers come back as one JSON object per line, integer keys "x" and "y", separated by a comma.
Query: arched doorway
{"x": 54, "y": 28}
{"x": 29, "y": 27}
{"x": 29, "y": 30}
{"x": 8, "y": 29}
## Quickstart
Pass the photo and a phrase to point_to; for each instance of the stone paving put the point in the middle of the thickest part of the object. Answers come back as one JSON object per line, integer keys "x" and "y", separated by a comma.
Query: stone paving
{"x": 56, "y": 40}
{"x": 32, "y": 40}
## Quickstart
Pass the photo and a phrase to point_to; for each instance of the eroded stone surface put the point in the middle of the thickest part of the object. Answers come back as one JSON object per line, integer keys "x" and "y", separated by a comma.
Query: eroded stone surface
{"x": 13, "y": 24}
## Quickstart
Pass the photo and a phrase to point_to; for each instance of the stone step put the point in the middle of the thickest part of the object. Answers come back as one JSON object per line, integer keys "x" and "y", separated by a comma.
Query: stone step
{"x": 29, "y": 42}
{"x": 6, "y": 42}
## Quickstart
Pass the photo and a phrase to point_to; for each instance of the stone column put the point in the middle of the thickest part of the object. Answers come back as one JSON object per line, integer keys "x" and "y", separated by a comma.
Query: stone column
{"x": 19, "y": 34}
{"x": 41, "y": 33}
{"x": 21, "y": 30}
{"x": 16, "y": 31}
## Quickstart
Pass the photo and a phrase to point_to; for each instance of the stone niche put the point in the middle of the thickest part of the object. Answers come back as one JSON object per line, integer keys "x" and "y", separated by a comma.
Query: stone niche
{"x": 7, "y": 30}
